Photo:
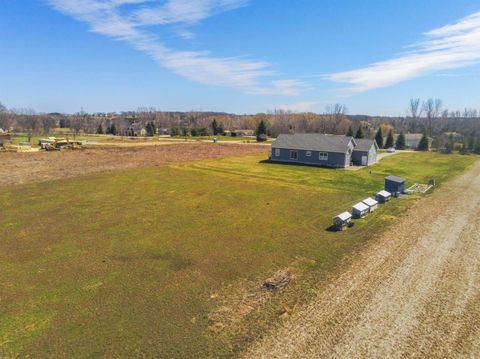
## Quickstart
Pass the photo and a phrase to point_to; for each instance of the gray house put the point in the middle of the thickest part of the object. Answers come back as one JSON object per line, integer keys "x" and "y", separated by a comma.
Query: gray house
{"x": 314, "y": 149}
{"x": 365, "y": 152}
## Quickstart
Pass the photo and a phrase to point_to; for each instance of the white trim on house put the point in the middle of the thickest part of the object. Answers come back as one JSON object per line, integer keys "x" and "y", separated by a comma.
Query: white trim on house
{"x": 294, "y": 155}
{"x": 323, "y": 156}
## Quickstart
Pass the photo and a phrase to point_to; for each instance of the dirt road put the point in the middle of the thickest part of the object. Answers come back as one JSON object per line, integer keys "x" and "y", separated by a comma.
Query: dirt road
{"x": 414, "y": 292}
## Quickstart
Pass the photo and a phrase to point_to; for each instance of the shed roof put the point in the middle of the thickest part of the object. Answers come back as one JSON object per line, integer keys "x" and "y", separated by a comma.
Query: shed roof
{"x": 365, "y": 144}
{"x": 360, "y": 206}
{"x": 345, "y": 216}
{"x": 395, "y": 179}
{"x": 313, "y": 142}
{"x": 370, "y": 202}
{"x": 384, "y": 193}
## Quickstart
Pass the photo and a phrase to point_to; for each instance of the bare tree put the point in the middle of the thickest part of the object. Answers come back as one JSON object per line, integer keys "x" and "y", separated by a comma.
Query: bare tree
{"x": 432, "y": 109}
{"x": 334, "y": 114}
{"x": 414, "y": 109}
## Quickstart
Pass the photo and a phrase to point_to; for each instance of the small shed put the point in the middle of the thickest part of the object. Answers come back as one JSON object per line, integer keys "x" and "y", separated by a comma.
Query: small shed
{"x": 383, "y": 196}
{"x": 371, "y": 203}
{"x": 394, "y": 184}
{"x": 360, "y": 210}
{"x": 342, "y": 220}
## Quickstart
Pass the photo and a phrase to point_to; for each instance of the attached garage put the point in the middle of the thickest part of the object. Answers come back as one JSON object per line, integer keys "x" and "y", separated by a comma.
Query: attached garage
{"x": 365, "y": 153}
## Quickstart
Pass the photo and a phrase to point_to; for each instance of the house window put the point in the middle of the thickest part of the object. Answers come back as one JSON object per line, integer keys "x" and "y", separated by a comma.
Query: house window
{"x": 277, "y": 152}
{"x": 323, "y": 156}
{"x": 294, "y": 155}
{"x": 309, "y": 154}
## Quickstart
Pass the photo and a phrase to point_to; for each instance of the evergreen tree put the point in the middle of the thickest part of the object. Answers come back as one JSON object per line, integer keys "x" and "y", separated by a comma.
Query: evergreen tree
{"x": 424, "y": 144}
{"x": 360, "y": 133}
{"x": 215, "y": 127}
{"x": 100, "y": 129}
{"x": 390, "y": 140}
{"x": 220, "y": 129}
{"x": 350, "y": 132}
{"x": 113, "y": 129}
{"x": 151, "y": 129}
{"x": 477, "y": 147}
{"x": 262, "y": 132}
{"x": 379, "y": 138}
{"x": 464, "y": 149}
{"x": 471, "y": 143}
{"x": 401, "y": 143}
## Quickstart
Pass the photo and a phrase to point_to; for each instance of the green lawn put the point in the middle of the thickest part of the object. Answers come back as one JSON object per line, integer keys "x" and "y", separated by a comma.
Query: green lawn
{"x": 132, "y": 263}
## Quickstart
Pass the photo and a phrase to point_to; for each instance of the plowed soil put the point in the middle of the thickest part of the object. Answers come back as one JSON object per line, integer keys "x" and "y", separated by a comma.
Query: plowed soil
{"x": 18, "y": 168}
{"x": 414, "y": 292}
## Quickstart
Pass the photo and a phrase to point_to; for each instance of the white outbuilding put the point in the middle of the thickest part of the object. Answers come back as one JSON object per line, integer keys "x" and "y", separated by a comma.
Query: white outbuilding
{"x": 360, "y": 210}
{"x": 383, "y": 196}
{"x": 342, "y": 220}
{"x": 371, "y": 203}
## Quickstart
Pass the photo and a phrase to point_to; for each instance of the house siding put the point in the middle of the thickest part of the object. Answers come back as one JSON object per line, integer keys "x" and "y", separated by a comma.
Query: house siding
{"x": 371, "y": 156}
{"x": 336, "y": 160}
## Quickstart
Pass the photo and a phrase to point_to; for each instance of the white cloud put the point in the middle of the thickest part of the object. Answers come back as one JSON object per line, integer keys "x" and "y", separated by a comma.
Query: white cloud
{"x": 112, "y": 19}
{"x": 305, "y": 106}
{"x": 449, "y": 47}
{"x": 185, "y": 11}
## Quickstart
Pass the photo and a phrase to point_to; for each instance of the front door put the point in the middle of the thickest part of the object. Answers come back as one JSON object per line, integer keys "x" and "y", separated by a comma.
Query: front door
{"x": 364, "y": 160}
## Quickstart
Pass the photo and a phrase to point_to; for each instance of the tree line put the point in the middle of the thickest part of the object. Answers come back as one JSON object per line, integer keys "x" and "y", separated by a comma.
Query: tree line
{"x": 421, "y": 116}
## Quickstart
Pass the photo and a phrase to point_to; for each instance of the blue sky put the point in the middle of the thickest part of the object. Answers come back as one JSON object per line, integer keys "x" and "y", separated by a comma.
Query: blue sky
{"x": 242, "y": 56}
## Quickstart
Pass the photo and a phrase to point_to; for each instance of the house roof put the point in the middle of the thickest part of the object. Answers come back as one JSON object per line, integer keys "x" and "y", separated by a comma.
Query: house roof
{"x": 370, "y": 202}
{"x": 365, "y": 144}
{"x": 313, "y": 142}
{"x": 384, "y": 193}
{"x": 360, "y": 207}
{"x": 395, "y": 179}
{"x": 344, "y": 216}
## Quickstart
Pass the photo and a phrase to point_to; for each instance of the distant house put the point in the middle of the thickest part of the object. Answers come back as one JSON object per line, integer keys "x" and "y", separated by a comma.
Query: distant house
{"x": 5, "y": 136}
{"x": 365, "y": 152}
{"x": 238, "y": 133}
{"x": 314, "y": 149}
{"x": 413, "y": 139}
{"x": 394, "y": 184}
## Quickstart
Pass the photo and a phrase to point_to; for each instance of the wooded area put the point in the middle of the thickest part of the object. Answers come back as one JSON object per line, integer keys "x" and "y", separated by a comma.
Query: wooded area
{"x": 428, "y": 117}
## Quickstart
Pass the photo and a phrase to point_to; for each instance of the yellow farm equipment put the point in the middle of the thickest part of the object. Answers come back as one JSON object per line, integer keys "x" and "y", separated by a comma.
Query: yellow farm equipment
{"x": 59, "y": 145}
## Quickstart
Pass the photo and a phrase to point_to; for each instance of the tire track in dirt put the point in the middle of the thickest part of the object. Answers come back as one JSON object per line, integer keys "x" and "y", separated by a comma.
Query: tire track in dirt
{"x": 415, "y": 291}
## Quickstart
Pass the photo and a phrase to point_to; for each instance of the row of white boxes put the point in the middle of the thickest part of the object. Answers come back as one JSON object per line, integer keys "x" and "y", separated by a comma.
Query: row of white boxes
{"x": 361, "y": 209}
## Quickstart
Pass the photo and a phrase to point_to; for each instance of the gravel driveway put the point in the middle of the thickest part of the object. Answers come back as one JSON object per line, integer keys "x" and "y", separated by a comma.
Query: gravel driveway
{"x": 414, "y": 292}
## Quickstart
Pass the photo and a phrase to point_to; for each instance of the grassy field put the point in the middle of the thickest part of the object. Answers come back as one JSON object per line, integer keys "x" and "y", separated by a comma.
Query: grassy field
{"x": 134, "y": 263}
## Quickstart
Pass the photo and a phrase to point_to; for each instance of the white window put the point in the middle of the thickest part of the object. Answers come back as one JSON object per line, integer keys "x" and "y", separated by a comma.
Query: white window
{"x": 277, "y": 152}
{"x": 323, "y": 156}
{"x": 309, "y": 154}
{"x": 294, "y": 155}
